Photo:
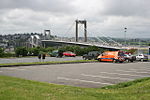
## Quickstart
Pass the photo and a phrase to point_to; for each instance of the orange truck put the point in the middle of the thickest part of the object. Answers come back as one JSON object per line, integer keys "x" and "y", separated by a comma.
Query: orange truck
{"x": 113, "y": 56}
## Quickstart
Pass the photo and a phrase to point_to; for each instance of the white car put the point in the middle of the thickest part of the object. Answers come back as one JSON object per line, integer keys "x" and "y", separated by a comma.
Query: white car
{"x": 142, "y": 57}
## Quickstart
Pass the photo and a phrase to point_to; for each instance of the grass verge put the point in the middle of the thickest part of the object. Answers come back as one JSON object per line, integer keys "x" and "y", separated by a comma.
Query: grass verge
{"x": 45, "y": 63}
{"x": 20, "y": 89}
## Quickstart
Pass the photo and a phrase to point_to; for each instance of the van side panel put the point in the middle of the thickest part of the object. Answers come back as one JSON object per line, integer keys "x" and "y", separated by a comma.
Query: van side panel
{"x": 108, "y": 56}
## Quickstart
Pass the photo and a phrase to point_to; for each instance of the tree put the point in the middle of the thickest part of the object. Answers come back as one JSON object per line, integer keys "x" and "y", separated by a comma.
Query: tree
{"x": 81, "y": 50}
{"x": 132, "y": 51}
{"x": 21, "y": 51}
{"x": 36, "y": 50}
{"x": 49, "y": 49}
{"x": 1, "y": 52}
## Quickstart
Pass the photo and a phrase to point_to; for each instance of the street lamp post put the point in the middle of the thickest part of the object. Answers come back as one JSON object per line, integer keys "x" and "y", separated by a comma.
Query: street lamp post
{"x": 125, "y": 30}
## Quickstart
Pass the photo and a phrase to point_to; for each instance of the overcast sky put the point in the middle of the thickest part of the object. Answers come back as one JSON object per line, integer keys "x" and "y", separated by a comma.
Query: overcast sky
{"x": 104, "y": 17}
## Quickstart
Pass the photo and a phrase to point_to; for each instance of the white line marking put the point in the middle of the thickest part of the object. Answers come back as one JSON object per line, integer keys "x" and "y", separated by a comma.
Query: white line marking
{"x": 123, "y": 74}
{"x": 70, "y": 79}
{"x": 140, "y": 69}
{"x": 14, "y": 69}
{"x": 145, "y": 68}
{"x": 132, "y": 71}
{"x": 107, "y": 77}
{"x": 1, "y": 71}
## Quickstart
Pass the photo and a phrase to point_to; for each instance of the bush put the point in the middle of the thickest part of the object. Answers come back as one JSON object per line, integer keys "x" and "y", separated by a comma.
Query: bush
{"x": 21, "y": 51}
{"x": 35, "y": 51}
{"x": 132, "y": 51}
{"x": 1, "y": 52}
{"x": 8, "y": 55}
{"x": 81, "y": 50}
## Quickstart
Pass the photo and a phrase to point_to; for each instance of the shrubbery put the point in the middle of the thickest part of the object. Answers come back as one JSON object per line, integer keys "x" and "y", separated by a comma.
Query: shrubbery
{"x": 3, "y": 54}
{"x": 80, "y": 50}
{"x": 23, "y": 51}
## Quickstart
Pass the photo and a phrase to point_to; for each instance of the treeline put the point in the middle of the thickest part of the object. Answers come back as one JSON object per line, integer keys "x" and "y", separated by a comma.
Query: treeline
{"x": 23, "y": 51}
{"x": 4, "y": 54}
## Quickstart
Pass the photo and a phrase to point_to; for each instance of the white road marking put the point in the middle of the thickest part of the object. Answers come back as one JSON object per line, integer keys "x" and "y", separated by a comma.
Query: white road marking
{"x": 1, "y": 71}
{"x": 70, "y": 79}
{"x": 123, "y": 74}
{"x": 36, "y": 67}
{"x": 140, "y": 69}
{"x": 132, "y": 71}
{"x": 119, "y": 78}
{"x": 14, "y": 69}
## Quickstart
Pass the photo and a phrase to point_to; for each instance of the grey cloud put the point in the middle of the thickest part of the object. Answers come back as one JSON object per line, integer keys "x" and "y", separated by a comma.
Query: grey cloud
{"x": 40, "y": 5}
{"x": 127, "y": 7}
{"x": 103, "y": 16}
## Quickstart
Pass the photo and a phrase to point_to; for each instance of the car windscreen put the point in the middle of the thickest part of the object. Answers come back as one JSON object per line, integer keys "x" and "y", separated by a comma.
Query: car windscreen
{"x": 121, "y": 54}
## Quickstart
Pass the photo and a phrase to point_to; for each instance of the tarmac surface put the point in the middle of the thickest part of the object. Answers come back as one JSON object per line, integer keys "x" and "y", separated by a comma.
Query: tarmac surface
{"x": 91, "y": 75}
{"x": 35, "y": 59}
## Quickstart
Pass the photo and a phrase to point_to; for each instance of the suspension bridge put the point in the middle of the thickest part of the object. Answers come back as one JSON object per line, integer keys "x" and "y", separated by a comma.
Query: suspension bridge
{"x": 107, "y": 43}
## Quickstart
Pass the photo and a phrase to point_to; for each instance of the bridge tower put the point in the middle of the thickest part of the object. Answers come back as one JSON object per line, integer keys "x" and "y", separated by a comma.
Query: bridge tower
{"x": 47, "y": 34}
{"x": 85, "y": 29}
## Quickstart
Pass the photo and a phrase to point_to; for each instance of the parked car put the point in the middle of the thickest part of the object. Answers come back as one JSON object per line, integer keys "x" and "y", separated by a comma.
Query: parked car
{"x": 129, "y": 58}
{"x": 91, "y": 55}
{"x": 54, "y": 53}
{"x": 113, "y": 56}
{"x": 69, "y": 54}
{"x": 142, "y": 57}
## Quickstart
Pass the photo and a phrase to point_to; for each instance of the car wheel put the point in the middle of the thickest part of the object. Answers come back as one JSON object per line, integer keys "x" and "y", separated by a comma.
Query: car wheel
{"x": 127, "y": 60}
{"x": 84, "y": 58}
{"x": 121, "y": 61}
{"x": 99, "y": 60}
{"x": 114, "y": 61}
{"x": 142, "y": 60}
{"x": 131, "y": 60}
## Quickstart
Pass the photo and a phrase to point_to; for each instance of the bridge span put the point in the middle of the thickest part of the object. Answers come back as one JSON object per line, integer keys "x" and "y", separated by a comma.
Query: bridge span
{"x": 46, "y": 43}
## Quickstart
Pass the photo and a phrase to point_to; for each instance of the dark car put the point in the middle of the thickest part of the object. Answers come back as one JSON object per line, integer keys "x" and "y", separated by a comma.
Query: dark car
{"x": 54, "y": 53}
{"x": 91, "y": 55}
{"x": 129, "y": 58}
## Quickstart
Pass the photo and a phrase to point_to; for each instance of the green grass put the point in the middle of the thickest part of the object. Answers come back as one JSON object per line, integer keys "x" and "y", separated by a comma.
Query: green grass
{"x": 42, "y": 63}
{"x": 20, "y": 89}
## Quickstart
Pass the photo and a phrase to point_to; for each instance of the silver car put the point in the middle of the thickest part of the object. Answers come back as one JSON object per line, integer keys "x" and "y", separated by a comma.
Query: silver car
{"x": 142, "y": 57}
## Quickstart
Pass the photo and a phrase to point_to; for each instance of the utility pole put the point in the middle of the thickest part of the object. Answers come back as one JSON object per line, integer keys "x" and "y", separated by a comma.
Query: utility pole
{"x": 139, "y": 46}
{"x": 125, "y": 35}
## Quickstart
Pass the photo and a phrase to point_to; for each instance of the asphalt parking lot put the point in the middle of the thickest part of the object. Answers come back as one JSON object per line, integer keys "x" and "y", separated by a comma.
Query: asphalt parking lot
{"x": 35, "y": 59}
{"x": 92, "y": 75}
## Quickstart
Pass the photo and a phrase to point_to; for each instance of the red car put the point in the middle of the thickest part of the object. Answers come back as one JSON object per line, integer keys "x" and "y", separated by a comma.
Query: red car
{"x": 69, "y": 54}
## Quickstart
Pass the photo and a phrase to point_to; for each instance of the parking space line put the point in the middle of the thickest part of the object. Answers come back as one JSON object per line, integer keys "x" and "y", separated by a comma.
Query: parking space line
{"x": 145, "y": 68}
{"x": 14, "y": 69}
{"x": 139, "y": 69}
{"x": 119, "y": 78}
{"x": 133, "y": 71}
{"x": 71, "y": 79}
{"x": 123, "y": 74}
{"x": 1, "y": 71}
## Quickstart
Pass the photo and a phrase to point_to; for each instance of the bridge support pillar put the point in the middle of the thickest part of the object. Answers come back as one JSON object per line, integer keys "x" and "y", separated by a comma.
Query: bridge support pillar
{"x": 76, "y": 30}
